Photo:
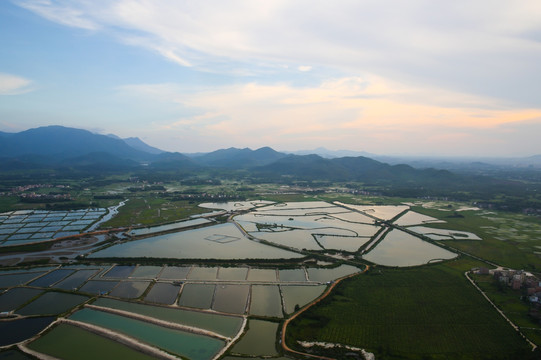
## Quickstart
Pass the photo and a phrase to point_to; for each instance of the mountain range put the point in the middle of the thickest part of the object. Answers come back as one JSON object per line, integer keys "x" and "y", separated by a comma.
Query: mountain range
{"x": 58, "y": 147}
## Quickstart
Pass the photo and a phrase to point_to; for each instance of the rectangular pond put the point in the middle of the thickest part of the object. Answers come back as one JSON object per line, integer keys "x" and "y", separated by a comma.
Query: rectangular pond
{"x": 259, "y": 340}
{"x": 222, "y": 324}
{"x": 15, "y": 297}
{"x": 203, "y": 273}
{"x": 98, "y": 287}
{"x": 262, "y": 275}
{"x": 292, "y": 275}
{"x": 193, "y": 346}
{"x": 119, "y": 271}
{"x": 231, "y": 298}
{"x": 66, "y": 341}
{"x": 325, "y": 275}
{"x": 76, "y": 279}
{"x": 266, "y": 301}
{"x": 163, "y": 293}
{"x": 52, "y": 303}
{"x": 146, "y": 272}
{"x": 232, "y": 273}
{"x": 130, "y": 289}
{"x": 51, "y": 278}
{"x": 197, "y": 295}
{"x": 175, "y": 272}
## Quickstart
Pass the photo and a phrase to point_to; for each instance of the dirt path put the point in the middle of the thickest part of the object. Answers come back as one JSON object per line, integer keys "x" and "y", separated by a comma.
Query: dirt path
{"x": 306, "y": 307}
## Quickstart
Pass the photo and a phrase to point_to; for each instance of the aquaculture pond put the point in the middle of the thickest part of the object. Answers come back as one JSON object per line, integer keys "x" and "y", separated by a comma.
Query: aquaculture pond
{"x": 231, "y": 298}
{"x": 10, "y": 280}
{"x": 175, "y": 272}
{"x": 224, "y": 241}
{"x": 193, "y": 346}
{"x": 163, "y": 293}
{"x": 197, "y": 295}
{"x": 119, "y": 271}
{"x": 326, "y": 275}
{"x": 98, "y": 286}
{"x": 130, "y": 289}
{"x": 233, "y": 273}
{"x": 146, "y": 272}
{"x": 15, "y": 297}
{"x": 260, "y": 339}
{"x": 14, "y": 331}
{"x": 169, "y": 227}
{"x": 203, "y": 273}
{"x": 66, "y": 341}
{"x": 399, "y": 248}
{"x": 76, "y": 279}
{"x": 345, "y": 243}
{"x": 299, "y": 295}
{"x": 52, "y": 303}
{"x": 292, "y": 275}
{"x": 235, "y": 205}
{"x": 266, "y": 301}
{"x": 414, "y": 218}
{"x": 262, "y": 275}
{"x": 51, "y": 278}
{"x": 443, "y": 234}
{"x": 222, "y": 324}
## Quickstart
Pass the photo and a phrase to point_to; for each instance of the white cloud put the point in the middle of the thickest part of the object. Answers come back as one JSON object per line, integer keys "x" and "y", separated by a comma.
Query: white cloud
{"x": 14, "y": 85}
{"x": 485, "y": 47}
{"x": 370, "y": 113}
{"x": 304, "y": 68}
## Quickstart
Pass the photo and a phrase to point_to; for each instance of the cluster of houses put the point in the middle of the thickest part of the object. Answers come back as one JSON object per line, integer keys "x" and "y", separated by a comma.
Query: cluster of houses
{"x": 517, "y": 279}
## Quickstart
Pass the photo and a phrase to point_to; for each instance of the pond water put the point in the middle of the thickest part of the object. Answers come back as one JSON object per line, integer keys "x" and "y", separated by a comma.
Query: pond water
{"x": 15, "y": 331}
{"x": 287, "y": 275}
{"x": 235, "y": 205}
{"x": 14, "y": 355}
{"x": 197, "y": 295}
{"x": 77, "y": 279}
{"x": 14, "y": 298}
{"x": 266, "y": 301}
{"x": 298, "y": 239}
{"x": 260, "y": 339}
{"x": 51, "y": 278}
{"x": 402, "y": 249}
{"x": 384, "y": 212}
{"x": 325, "y": 275}
{"x": 262, "y": 275}
{"x": 52, "y": 303}
{"x": 203, "y": 273}
{"x": 233, "y": 273}
{"x": 130, "y": 289}
{"x": 439, "y": 234}
{"x": 98, "y": 286}
{"x": 119, "y": 271}
{"x": 231, "y": 298}
{"x": 413, "y": 218}
{"x": 66, "y": 341}
{"x": 147, "y": 272}
{"x": 297, "y": 205}
{"x": 299, "y": 295}
{"x": 10, "y": 280}
{"x": 223, "y": 241}
{"x": 345, "y": 243}
{"x": 163, "y": 293}
{"x": 175, "y": 272}
{"x": 193, "y": 346}
{"x": 177, "y": 225}
{"x": 221, "y": 324}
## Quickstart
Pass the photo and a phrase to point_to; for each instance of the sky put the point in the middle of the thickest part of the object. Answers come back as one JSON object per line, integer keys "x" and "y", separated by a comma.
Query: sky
{"x": 418, "y": 77}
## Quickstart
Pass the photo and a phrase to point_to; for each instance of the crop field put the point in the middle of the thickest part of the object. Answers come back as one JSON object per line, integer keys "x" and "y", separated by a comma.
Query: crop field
{"x": 509, "y": 239}
{"x": 428, "y": 312}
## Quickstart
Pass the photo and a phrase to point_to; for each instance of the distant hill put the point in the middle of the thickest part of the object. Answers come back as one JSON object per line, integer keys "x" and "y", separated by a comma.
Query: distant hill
{"x": 330, "y": 154}
{"x": 239, "y": 158}
{"x": 138, "y": 144}
{"x": 62, "y": 143}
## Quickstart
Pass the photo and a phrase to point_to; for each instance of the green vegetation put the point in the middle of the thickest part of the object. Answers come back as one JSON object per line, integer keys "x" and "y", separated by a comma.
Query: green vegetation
{"x": 509, "y": 239}
{"x": 430, "y": 312}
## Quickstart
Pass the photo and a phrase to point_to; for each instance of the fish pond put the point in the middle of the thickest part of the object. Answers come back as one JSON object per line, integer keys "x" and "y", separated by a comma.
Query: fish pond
{"x": 224, "y": 241}
{"x": 193, "y": 346}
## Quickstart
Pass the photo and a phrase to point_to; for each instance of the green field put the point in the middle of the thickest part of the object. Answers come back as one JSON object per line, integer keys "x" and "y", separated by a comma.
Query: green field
{"x": 430, "y": 312}
{"x": 509, "y": 239}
